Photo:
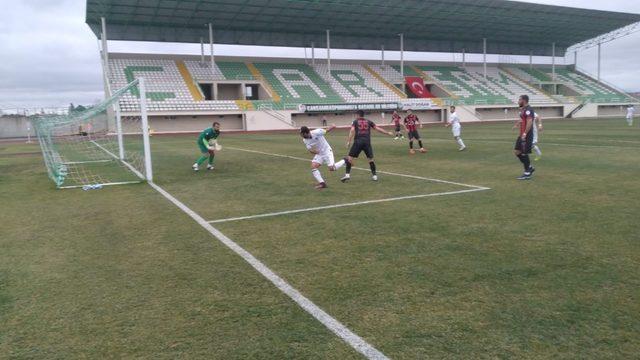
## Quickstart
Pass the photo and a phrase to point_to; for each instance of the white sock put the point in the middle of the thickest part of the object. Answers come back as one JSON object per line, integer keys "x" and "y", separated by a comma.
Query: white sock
{"x": 317, "y": 175}
{"x": 460, "y": 142}
{"x": 339, "y": 164}
{"x": 537, "y": 150}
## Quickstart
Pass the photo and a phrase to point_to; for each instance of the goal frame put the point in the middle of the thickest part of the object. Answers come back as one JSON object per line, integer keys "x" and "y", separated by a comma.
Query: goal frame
{"x": 115, "y": 112}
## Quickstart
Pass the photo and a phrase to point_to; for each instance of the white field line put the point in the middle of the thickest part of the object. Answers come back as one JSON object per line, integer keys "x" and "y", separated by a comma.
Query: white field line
{"x": 543, "y": 143}
{"x": 606, "y": 140}
{"x": 355, "y": 341}
{"x": 86, "y": 162}
{"x": 105, "y": 184}
{"x": 345, "y": 205}
{"x": 363, "y": 169}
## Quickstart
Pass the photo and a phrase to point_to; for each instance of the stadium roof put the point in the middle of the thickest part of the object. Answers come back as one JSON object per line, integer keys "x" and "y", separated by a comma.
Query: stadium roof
{"x": 510, "y": 27}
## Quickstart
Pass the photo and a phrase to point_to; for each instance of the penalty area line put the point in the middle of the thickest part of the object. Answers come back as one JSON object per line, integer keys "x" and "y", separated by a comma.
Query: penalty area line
{"x": 335, "y": 326}
{"x": 319, "y": 208}
{"x": 363, "y": 169}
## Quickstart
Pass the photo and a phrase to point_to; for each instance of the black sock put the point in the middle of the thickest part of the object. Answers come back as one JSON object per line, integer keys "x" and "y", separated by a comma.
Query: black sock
{"x": 372, "y": 165}
{"x": 420, "y": 143}
{"x": 526, "y": 162}
{"x": 410, "y": 144}
{"x": 348, "y": 165}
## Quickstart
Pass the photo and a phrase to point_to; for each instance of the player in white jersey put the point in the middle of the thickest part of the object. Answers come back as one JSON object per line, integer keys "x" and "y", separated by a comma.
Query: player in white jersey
{"x": 317, "y": 144}
{"x": 537, "y": 127}
{"x": 456, "y": 128}
{"x": 630, "y": 111}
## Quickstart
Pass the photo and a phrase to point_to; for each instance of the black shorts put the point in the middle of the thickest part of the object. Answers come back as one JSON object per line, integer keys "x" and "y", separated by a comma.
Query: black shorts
{"x": 360, "y": 146}
{"x": 414, "y": 135}
{"x": 524, "y": 146}
{"x": 398, "y": 128}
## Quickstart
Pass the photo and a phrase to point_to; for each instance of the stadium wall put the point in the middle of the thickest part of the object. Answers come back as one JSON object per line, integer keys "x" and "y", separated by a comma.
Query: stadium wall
{"x": 588, "y": 111}
{"x": 15, "y": 127}
{"x": 612, "y": 110}
{"x": 345, "y": 119}
{"x": 178, "y": 124}
{"x": 498, "y": 113}
{"x": 262, "y": 121}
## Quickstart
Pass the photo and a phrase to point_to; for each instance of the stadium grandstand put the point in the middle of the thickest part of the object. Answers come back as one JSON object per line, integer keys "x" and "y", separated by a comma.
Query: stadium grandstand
{"x": 220, "y": 206}
{"x": 259, "y": 93}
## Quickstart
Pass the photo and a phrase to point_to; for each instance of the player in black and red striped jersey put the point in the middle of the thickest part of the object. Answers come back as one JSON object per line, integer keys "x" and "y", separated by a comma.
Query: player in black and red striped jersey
{"x": 411, "y": 123}
{"x": 524, "y": 143}
{"x": 360, "y": 134}
{"x": 396, "y": 120}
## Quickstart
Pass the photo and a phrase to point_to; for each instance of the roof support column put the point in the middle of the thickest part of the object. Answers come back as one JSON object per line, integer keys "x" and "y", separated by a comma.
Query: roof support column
{"x": 575, "y": 59}
{"x": 329, "y": 51}
{"x": 211, "y": 53}
{"x": 201, "y": 50}
{"x": 484, "y": 56}
{"x": 214, "y": 88}
{"x": 313, "y": 54}
{"x": 402, "y": 62}
{"x": 382, "y": 55}
{"x": 553, "y": 61}
{"x": 105, "y": 55}
{"x": 599, "y": 60}
{"x": 464, "y": 57}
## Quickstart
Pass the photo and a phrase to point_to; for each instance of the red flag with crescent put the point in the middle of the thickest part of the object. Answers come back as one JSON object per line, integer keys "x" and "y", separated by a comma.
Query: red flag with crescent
{"x": 416, "y": 85}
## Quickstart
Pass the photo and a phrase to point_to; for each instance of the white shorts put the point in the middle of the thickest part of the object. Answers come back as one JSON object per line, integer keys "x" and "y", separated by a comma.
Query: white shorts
{"x": 324, "y": 159}
{"x": 456, "y": 130}
{"x": 535, "y": 134}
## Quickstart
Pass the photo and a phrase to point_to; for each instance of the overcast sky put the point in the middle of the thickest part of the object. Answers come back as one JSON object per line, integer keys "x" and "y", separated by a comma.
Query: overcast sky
{"x": 49, "y": 57}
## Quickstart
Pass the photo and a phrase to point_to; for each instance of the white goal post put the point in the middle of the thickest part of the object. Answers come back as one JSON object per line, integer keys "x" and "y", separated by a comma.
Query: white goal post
{"x": 106, "y": 144}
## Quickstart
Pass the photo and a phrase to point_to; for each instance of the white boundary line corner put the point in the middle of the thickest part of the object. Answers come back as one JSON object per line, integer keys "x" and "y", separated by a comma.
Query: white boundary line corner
{"x": 348, "y": 336}
{"x": 469, "y": 189}
{"x": 363, "y": 169}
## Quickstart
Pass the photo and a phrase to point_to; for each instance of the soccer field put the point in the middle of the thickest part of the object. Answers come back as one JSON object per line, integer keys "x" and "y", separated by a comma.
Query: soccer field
{"x": 447, "y": 256}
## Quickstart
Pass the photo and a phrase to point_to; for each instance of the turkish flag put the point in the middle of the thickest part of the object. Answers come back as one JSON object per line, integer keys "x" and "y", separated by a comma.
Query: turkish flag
{"x": 416, "y": 85}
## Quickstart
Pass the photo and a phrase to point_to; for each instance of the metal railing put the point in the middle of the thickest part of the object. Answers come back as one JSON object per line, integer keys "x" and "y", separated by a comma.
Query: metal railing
{"x": 608, "y": 84}
{"x": 456, "y": 102}
{"x": 268, "y": 109}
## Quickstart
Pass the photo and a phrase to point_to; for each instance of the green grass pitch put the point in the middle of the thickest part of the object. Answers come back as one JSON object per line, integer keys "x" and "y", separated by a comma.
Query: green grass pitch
{"x": 548, "y": 268}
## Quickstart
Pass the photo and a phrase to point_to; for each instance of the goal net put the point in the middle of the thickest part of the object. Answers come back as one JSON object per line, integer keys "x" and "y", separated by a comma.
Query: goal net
{"x": 107, "y": 144}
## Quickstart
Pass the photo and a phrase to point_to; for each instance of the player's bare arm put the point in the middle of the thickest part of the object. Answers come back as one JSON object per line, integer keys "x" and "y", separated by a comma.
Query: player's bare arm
{"x": 352, "y": 133}
{"x": 539, "y": 122}
{"x": 381, "y": 131}
{"x": 330, "y": 128}
{"x": 516, "y": 124}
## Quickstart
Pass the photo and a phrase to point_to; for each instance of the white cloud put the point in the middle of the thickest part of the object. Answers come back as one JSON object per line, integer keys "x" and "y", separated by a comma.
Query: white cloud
{"x": 50, "y": 57}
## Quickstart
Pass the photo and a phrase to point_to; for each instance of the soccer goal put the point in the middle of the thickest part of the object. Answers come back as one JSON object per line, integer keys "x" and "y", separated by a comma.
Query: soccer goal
{"x": 107, "y": 144}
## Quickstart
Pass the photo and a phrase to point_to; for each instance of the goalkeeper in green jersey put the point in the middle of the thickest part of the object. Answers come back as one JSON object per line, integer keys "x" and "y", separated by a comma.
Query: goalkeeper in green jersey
{"x": 207, "y": 146}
